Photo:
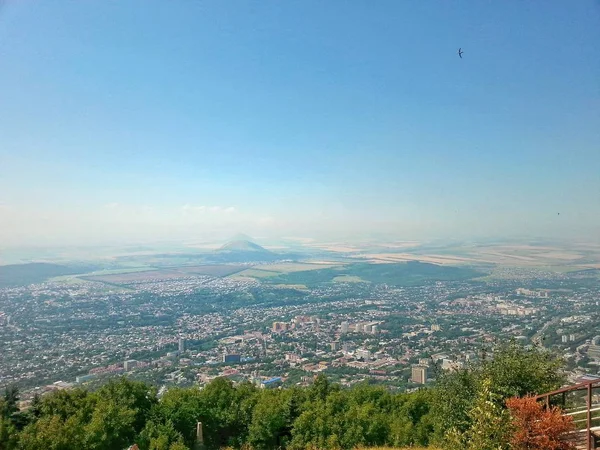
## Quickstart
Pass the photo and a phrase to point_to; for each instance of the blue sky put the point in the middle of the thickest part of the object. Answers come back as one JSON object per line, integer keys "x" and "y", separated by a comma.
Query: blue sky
{"x": 159, "y": 119}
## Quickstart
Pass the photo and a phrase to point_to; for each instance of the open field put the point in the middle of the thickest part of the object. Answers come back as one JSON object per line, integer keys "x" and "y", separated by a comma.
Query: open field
{"x": 548, "y": 257}
{"x": 294, "y": 267}
{"x": 404, "y": 244}
{"x": 214, "y": 270}
{"x": 264, "y": 271}
{"x": 132, "y": 277}
{"x": 68, "y": 279}
{"x": 335, "y": 247}
{"x": 322, "y": 262}
{"x": 398, "y": 257}
{"x": 336, "y": 266}
{"x": 119, "y": 271}
{"x": 125, "y": 276}
{"x": 256, "y": 273}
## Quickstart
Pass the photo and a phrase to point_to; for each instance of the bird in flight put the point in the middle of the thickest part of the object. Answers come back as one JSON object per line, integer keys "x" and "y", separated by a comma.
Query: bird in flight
{"x": 460, "y": 52}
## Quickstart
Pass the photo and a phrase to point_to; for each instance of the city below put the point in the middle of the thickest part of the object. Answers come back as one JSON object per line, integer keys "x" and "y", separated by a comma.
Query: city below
{"x": 396, "y": 319}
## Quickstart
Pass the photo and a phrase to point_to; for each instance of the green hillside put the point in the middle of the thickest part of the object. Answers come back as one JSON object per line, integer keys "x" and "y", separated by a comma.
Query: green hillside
{"x": 411, "y": 273}
{"x": 23, "y": 274}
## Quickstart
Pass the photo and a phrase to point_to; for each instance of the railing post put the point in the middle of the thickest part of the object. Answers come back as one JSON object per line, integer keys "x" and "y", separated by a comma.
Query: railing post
{"x": 199, "y": 444}
{"x": 589, "y": 417}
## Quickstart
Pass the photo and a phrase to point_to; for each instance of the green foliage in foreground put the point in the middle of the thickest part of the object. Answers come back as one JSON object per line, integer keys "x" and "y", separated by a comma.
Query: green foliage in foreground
{"x": 463, "y": 406}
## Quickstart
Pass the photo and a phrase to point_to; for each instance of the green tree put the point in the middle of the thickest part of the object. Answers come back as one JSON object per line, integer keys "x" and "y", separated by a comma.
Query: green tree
{"x": 134, "y": 395}
{"x": 66, "y": 404}
{"x": 513, "y": 371}
{"x": 401, "y": 431}
{"x": 320, "y": 388}
{"x": 225, "y": 412}
{"x": 112, "y": 426}
{"x": 159, "y": 436}
{"x": 490, "y": 427}
{"x": 310, "y": 427}
{"x": 184, "y": 408}
{"x": 8, "y": 435}
{"x": 53, "y": 433}
{"x": 344, "y": 419}
{"x": 516, "y": 371}
{"x": 452, "y": 399}
{"x": 268, "y": 428}
{"x": 417, "y": 408}
{"x": 35, "y": 409}
{"x": 10, "y": 401}
{"x": 178, "y": 446}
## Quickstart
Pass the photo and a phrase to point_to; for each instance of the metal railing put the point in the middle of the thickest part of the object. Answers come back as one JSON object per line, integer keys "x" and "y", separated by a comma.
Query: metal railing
{"x": 577, "y": 401}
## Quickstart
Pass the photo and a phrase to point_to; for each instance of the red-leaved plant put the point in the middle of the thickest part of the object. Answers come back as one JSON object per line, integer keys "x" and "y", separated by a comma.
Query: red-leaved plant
{"x": 536, "y": 427}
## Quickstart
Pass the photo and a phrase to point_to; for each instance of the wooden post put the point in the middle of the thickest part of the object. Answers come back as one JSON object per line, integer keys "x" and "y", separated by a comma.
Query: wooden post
{"x": 547, "y": 401}
{"x": 590, "y": 445}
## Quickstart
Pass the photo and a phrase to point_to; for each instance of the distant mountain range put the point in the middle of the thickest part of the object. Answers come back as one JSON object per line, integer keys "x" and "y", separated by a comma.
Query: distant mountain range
{"x": 241, "y": 237}
{"x": 243, "y": 246}
{"x": 243, "y": 251}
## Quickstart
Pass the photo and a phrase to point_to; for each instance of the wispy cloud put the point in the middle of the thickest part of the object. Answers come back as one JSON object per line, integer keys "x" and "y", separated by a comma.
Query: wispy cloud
{"x": 266, "y": 221}
{"x": 192, "y": 209}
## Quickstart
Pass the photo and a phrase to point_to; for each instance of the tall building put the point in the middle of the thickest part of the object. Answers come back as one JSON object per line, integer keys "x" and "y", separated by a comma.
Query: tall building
{"x": 345, "y": 327}
{"x": 565, "y": 338}
{"x": 335, "y": 346}
{"x": 181, "y": 347}
{"x": 130, "y": 364}
{"x": 419, "y": 374}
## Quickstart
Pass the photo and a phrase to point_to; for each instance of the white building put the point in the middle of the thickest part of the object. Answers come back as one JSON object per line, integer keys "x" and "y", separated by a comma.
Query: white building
{"x": 345, "y": 327}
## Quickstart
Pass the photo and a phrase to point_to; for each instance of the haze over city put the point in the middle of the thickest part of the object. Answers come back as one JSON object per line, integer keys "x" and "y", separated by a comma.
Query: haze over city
{"x": 146, "y": 120}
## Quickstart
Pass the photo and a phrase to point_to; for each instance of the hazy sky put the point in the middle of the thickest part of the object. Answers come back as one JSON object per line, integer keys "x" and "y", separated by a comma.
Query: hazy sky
{"x": 179, "y": 119}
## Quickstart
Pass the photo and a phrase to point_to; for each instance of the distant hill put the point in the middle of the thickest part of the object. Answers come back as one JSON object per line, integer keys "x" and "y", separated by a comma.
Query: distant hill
{"x": 243, "y": 251}
{"x": 24, "y": 274}
{"x": 241, "y": 237}
{"x": 243, "y": 246}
